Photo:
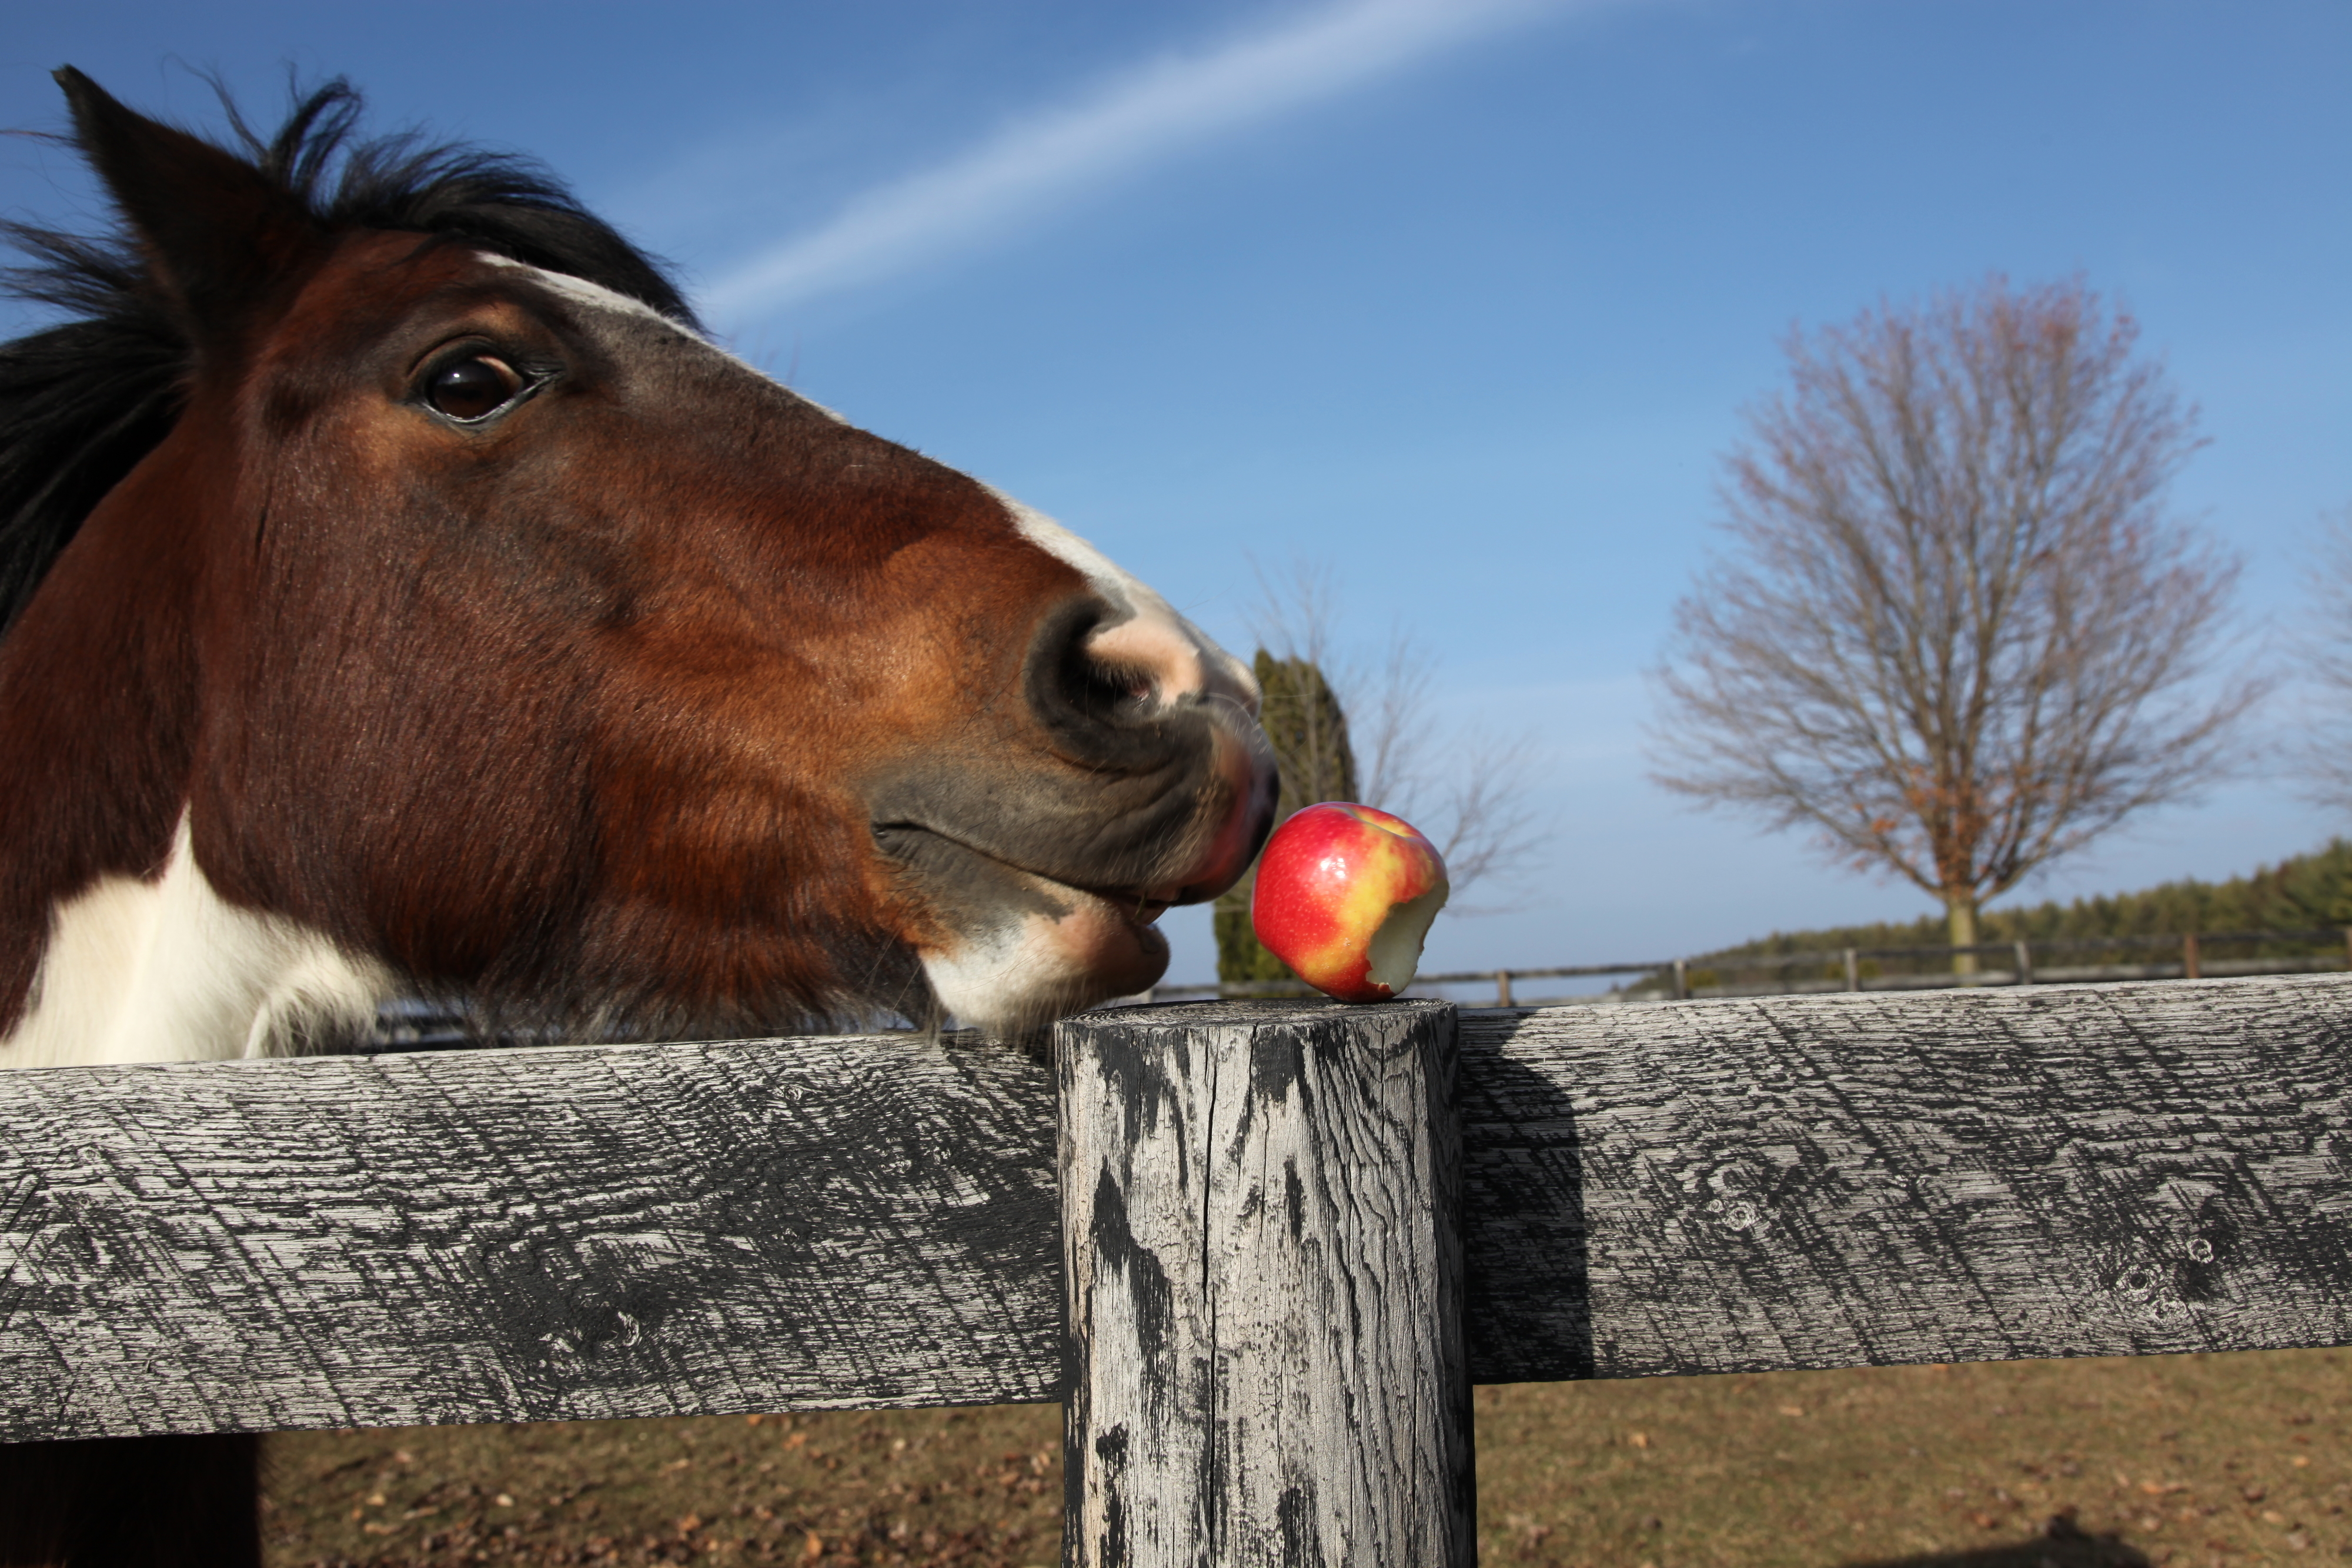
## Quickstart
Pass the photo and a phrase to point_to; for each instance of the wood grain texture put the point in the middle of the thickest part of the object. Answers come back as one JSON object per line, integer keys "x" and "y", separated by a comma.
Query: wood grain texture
{"x": 525, "y": 1235}
{"x": 1787, "y": 1182}
{"x": 1260, "y": 1221}
{"x": 1838, "y": 1180}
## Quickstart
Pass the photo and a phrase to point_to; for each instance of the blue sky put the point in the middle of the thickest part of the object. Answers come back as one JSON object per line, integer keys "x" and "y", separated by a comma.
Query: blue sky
{"x": 1461, "y": 298}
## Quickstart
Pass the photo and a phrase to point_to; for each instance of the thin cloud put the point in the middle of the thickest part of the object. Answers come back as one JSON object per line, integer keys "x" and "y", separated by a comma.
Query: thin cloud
{"x": 1130, "y": 121}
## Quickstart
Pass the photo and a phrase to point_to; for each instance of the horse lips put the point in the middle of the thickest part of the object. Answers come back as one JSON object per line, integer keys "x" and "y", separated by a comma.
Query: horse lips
{"x": 1344, "y": 895}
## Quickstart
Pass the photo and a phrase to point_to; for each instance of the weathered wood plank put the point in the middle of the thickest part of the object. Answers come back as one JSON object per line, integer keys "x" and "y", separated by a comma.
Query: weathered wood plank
{"x": 525, "y": 1235}
{"x": 1787, "y": 1182}
{"x": 1832, "y": 1181}
{"x": 1261, "y": 1238}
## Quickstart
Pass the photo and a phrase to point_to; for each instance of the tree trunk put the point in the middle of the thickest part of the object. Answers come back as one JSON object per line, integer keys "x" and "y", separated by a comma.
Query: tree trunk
{"x": 1960, "y": 910}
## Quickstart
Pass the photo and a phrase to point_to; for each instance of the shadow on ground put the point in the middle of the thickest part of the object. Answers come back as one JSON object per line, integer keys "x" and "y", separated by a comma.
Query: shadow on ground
{"x": 2061, "y": 1544}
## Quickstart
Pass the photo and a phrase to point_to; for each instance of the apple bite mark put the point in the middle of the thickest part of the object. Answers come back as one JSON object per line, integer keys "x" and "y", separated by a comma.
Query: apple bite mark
{"x": 1394, "y": 952}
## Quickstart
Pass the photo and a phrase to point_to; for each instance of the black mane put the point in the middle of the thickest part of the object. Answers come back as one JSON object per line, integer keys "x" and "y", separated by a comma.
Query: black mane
{"x": 80, "y": 403}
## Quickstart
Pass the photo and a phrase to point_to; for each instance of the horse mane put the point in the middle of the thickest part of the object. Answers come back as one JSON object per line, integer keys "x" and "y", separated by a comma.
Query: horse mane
{"x": 82, "y": 402}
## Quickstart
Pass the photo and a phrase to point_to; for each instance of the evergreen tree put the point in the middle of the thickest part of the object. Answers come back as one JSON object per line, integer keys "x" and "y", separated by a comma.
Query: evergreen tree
{"x": 1308, "y": 731}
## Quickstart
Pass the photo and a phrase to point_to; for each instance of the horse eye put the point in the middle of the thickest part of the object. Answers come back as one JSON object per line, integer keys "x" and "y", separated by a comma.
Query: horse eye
{"x": 472, "y": 389}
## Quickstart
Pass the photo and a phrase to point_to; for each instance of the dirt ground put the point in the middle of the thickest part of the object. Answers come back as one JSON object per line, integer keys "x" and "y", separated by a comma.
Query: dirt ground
{"x": 2224, "y": 1460}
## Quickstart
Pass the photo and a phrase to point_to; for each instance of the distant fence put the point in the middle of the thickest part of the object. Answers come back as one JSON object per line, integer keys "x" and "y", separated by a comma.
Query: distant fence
{"x": 2189, "y": 957}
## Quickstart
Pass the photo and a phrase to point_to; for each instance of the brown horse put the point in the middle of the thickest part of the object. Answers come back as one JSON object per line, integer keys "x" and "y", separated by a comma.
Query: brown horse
{"x": 403, "y": 596}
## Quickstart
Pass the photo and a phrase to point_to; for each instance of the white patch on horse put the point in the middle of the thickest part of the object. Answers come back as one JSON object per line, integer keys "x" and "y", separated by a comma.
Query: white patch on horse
{"x": 1184, "y": 661}
{"x": 996, "y": 978}
{"x": 1009, "y": 978}
{"x": 161, "y": 969}
{"x": 580, "y": 291}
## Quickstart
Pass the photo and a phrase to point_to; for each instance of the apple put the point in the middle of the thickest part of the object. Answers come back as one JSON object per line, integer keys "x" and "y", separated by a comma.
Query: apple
{"x": 1344, "y": 895}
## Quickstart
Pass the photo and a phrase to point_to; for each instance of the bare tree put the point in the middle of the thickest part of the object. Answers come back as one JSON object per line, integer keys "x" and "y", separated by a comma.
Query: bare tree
{"x": 1955, "y": 633}
{"x": 2323, "y": 755}
{"x": 1466, "y": 786}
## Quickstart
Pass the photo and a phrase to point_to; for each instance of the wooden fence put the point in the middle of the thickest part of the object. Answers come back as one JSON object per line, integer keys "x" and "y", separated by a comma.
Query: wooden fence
{"x": 1261, "y": 1253}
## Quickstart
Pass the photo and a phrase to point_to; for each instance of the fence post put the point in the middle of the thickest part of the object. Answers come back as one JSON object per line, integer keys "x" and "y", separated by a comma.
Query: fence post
{"x": 1682, "y": 979}
{"x": 2024, "y": 963}
{"x": 1502, "y": 987}
{"x": 1853, "y": 970}
{"x": 1265, "y": 1359}
{"x": 2190, "y": 966}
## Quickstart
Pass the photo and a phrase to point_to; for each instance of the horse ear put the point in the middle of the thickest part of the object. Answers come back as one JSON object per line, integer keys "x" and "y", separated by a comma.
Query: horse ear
{"x": 218, "y": 233}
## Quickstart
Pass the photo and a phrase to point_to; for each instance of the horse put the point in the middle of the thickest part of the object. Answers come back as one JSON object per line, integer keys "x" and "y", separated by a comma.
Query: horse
{"x": 402, "y": 595}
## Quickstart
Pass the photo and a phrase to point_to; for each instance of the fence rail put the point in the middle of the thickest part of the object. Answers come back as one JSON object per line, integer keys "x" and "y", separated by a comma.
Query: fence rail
{"x": 2021, "y": 969}
{"x": 1798, "y": 1181}
{"x": 1340, "y": 1216}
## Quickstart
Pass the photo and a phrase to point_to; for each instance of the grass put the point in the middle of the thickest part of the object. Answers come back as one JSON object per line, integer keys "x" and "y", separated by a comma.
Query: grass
{"x": 2230, "y": 1461}
{"x": 977, "y": 1487}
{"x": 2235, "y": 1459}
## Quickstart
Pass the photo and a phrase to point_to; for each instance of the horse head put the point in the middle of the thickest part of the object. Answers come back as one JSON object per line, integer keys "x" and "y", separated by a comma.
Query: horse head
{"x": 411, "y": 596}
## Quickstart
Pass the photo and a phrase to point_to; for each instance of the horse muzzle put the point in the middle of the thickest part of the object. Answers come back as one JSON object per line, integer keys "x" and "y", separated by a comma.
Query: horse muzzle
{"x": 1049, "y": 863}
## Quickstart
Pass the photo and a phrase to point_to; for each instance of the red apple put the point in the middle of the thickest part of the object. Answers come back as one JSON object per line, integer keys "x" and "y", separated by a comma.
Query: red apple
{"x": 1344, "y": 895}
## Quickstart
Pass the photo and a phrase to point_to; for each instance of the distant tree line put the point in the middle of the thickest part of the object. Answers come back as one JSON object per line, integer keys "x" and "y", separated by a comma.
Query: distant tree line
{"x": 2303, "y": 893}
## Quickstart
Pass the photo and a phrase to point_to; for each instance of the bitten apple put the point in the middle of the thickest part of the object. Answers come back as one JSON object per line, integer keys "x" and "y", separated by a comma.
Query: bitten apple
{"x": 1344, "y": 895}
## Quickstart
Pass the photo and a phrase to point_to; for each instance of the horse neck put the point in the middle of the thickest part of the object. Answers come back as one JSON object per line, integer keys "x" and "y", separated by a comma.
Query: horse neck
{"x": 114, "y": 945}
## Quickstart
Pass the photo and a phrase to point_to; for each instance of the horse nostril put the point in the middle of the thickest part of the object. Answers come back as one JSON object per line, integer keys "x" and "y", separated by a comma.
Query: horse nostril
{"x": 1074, "y": 684}
{"x": 1108, "y": 691}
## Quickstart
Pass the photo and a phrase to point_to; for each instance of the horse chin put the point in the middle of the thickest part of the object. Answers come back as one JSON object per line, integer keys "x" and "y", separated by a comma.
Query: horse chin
{"x": 1016, "y": 979}
{"x": 1069, "y": 950}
